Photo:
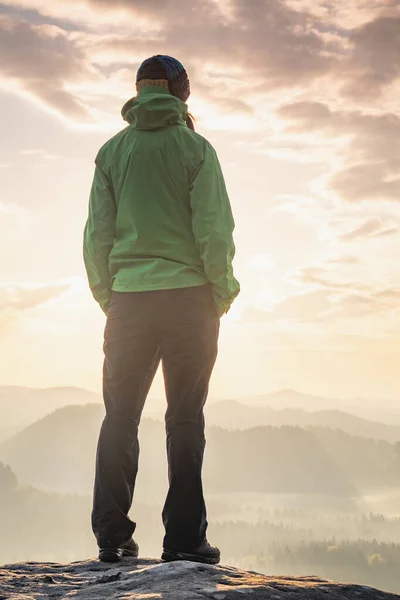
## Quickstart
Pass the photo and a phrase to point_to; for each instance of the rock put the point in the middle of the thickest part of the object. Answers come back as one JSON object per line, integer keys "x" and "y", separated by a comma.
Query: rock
{"x": 148, "y": 579}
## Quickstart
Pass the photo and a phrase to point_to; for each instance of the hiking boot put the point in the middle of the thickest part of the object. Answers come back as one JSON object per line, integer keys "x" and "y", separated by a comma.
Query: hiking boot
{"x": 130, "y": 548}
{"x": 204, "y": 554}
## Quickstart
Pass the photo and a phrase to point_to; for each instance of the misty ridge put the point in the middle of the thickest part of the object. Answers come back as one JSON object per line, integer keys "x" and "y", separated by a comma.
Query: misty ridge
{"x": 337, "y": 544}
{"x": 57, "y": 452}
{"x": 22, "y": 406}
{"x": 293, "y": 486}
{"x": 250, "y": 448}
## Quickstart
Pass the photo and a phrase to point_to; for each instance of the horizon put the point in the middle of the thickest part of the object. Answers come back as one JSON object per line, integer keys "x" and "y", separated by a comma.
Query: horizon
{"x": 211, "y": 397}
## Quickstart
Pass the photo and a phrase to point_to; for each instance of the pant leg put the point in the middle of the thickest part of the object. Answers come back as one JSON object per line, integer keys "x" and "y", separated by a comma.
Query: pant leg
{"x": 131, "y": 349}
{"x": 189, "y": 346}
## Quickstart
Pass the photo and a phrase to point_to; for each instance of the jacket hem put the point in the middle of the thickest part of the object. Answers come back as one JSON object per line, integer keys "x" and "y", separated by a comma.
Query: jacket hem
{"x": 151, "y": 288}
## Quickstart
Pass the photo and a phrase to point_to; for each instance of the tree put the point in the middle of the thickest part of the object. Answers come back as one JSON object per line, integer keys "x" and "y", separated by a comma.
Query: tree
{"x": 8, "y": 479}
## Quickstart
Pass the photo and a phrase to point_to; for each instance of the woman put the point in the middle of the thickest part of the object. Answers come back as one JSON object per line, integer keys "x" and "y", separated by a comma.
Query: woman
{"x": 158, "y": 252}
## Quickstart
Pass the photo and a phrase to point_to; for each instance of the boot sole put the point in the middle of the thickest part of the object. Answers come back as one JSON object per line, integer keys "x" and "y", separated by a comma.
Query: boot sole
{"x": 169, "y": 556}
{"x": 130, "y": 553}
{"x": 110, "y": 556}
{"x": 116, "y": 554}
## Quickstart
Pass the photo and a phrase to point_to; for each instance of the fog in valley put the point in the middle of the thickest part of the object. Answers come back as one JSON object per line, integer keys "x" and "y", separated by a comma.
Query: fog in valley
{"x": 294, "y": 483}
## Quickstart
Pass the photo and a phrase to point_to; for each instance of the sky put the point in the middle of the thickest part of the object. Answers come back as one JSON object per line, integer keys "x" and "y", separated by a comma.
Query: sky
{"x": 300, "y": 98}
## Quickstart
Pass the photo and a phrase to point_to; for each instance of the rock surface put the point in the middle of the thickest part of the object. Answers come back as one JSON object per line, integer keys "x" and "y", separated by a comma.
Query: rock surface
{"x": 148, "y": 579}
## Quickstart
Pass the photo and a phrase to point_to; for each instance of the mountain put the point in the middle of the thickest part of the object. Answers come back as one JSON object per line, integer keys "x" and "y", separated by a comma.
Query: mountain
{"x": 382, "y": 410}
{"x": 292, "y": 399}
{"x": 21, "y": 406}
{"x": 57, "y": 453}
{"x": 33, "y": 522}
{"x": 8, "y": 432}
{"x": 232, "y": 414}
{"x": 58, "y": 448}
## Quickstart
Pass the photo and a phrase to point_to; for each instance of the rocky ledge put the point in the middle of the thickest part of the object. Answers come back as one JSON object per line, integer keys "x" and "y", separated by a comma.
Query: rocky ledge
{"x": 148, "y": 579}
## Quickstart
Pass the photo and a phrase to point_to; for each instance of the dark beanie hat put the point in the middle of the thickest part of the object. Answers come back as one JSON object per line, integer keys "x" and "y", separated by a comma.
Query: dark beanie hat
{"x": 166, "y": 72}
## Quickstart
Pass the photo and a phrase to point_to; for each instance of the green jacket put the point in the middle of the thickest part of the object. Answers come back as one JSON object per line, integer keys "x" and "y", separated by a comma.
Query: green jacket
{"x": 159, "y": 214}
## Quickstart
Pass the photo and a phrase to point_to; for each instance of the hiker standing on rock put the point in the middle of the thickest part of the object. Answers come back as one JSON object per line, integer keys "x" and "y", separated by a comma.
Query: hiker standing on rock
{"x": 158, "y": 252}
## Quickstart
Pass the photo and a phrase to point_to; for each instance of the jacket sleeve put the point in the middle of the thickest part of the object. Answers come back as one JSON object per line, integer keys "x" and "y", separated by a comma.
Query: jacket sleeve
{"x": 99, "y": 237}
{"x": 213, "y": 226}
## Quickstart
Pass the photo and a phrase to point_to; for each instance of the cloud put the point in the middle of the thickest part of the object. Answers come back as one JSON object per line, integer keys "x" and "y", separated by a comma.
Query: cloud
{"x": 306, "y": 115}
{"x": 374, "y": 62}
{"x": 347, "y": 298}
{"x": 305, "y": 308}
{"x": 41, "y": 59}
{"x": 328, "y": 305}
{"x": 226, "y": 33}
{"x": 347, "y": 259}
{"x": 199, "y": 30}
{"x": 229, "y": 48}
{"x": 370, "y": 163}
{"x": 13, "y": 210}
{"x": 314, "y": 275}
{"x": 371, "y": 228}
{"x": 369, "y": 132}
{"x": 235, "y": 49}
{"x": 18, "y": 297}
{"x": 249, "y": 43}
{"x": 33, "y": 152}
{"x": 344, "y": 14}
{"x": 369, "y": 181}
{"x": 369, "y": 33}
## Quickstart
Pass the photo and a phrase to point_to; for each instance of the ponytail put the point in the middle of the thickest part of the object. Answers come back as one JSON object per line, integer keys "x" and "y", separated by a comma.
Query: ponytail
{"x": 190, "y": 122}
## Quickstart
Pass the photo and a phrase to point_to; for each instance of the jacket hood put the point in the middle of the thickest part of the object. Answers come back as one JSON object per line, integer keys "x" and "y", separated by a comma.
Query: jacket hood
{"x": 154, "y": 108}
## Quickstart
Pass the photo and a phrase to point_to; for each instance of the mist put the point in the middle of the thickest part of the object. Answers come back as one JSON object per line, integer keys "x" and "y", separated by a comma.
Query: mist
{"x": 318, "y": 498}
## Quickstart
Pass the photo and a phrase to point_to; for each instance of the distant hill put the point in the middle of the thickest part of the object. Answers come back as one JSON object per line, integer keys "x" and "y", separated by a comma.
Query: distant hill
{"x": 46, "y": 453}
{"x": 58, "y": 452}
{"x": 232, "y": 414}
{"x": 292, "y": 399}
{"x": 33, "y": 523}
{"x": 8, "y": 432}
{"x": 41, "y": 526}
{"x": 21, "y": 406}
{"x": 382, "y": 410}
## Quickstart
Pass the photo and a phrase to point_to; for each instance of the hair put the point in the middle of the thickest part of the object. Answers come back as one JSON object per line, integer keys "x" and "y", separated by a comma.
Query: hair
{"x": 190, "y": 121}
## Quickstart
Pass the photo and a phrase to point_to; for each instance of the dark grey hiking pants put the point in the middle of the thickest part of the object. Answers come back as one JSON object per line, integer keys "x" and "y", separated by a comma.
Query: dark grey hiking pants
{"x": 180, "y": 328}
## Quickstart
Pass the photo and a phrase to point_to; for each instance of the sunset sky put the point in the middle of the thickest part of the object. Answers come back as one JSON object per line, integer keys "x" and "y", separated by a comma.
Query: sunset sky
{"x": 301, "y": 100}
